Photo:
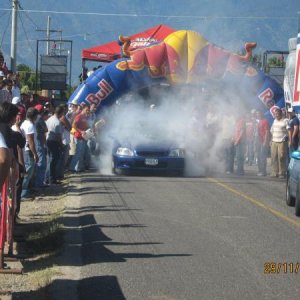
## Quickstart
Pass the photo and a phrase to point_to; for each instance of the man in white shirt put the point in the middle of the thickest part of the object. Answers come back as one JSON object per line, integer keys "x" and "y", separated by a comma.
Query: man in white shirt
{"x": 54, "y": 142}
{"x": 30, "y": 154}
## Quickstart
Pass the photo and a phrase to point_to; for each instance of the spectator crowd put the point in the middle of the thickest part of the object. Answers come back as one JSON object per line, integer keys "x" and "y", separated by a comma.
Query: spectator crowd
{"x": 44, "y": 140}
{"x": 250, "y": 139}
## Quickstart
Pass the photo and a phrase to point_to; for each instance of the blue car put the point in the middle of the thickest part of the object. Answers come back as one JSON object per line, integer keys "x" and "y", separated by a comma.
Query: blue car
{"x": 148, "y": 157}
{"x": 293, "y": 183}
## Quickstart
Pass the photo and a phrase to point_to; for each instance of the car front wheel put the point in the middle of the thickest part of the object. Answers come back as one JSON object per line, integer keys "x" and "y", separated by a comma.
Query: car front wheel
{"x": 290, "y": 201}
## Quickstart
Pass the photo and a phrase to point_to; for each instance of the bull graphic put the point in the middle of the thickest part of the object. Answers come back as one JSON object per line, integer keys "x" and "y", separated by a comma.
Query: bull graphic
{"x": 181, "y": 64}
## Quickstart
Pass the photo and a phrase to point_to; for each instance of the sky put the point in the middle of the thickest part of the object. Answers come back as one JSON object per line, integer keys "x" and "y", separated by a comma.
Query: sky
{"x": 227, "y": 23}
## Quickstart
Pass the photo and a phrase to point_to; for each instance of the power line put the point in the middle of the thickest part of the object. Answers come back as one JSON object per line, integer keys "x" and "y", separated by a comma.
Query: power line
{"x": 27, "y": 15}
{"x": 72, "y": 35}
{"x": 158, "y": 16}
{"x": 25, "y": 34}
{"x": 4, "y": 33}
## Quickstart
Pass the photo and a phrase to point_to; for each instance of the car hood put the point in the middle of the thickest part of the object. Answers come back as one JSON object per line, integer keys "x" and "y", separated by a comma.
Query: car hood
{"x": 154, "y": 146}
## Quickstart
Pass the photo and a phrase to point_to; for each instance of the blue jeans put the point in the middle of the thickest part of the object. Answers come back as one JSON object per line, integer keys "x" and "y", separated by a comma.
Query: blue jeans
{"x": 54, "y": 149}
{"x": 79, "y": 159}
{"x": 29, "y": 166}
{"x": 228, "y": 155}
{"x": 60, "y": 169}
{"x": 250, "y": 152}
{"x": 41, "y": 166}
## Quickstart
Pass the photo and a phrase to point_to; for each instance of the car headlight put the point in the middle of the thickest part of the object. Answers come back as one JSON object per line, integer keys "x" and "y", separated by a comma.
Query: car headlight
{"x": 124, "y": 151}
{"x": 177, "y": 152}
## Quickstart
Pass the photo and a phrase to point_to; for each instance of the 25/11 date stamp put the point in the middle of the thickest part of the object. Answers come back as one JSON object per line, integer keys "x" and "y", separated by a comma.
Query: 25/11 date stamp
{"x": 281, "y": 268}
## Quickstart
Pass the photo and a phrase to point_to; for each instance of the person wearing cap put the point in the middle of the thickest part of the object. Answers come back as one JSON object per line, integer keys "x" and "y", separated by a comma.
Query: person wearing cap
{"x": 16, "y": 100}
{"x": 279, "y": 144}
{"x": 293, "y": 131}
{"x": 74, "y": 110}
{"x": 41, "y": 165}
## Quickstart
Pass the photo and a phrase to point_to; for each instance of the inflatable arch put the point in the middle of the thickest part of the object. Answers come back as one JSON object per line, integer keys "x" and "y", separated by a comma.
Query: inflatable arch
{"x": 183, "y": 57}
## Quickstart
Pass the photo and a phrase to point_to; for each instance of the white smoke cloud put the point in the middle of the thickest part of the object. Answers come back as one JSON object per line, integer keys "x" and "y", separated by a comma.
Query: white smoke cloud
{"x": 189, "y": 116}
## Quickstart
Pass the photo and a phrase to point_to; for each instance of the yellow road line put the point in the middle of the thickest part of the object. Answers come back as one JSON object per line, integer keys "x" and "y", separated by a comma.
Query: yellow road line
{"x": 256, "y": 202}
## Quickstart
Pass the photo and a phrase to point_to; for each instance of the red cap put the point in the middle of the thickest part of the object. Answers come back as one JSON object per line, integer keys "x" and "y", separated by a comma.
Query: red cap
{"x": 22, "y": 112}
{"x": 39, "y": 108}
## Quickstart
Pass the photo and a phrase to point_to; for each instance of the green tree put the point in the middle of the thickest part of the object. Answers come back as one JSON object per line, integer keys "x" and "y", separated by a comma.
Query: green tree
{"x": 27, "y": 76}
{"x": 276, "y": 61}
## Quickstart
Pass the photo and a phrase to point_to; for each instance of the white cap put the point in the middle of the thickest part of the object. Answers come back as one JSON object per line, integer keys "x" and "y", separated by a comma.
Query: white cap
{"x": 74, "y": 102}
{"x": 15, "y": 100}
{"x": 290, "y": 109}
{"x": 1, "y": 74}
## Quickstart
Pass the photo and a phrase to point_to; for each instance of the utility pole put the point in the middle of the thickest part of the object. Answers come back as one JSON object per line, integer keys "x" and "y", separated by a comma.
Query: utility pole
{"x": 13, "y": 43}
{"x": 48, "y": 32}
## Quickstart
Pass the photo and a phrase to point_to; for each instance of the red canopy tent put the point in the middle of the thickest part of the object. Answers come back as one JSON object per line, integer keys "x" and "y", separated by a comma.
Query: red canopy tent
{"x": 111, "y": 51}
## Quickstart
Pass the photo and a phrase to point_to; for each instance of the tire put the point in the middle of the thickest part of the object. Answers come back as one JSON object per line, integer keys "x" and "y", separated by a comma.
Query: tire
{"x": 290, "y": 201}
{"x": 113, "y": 169}
{"x": 118, "y": 171}
{"x": 297, "y": 204}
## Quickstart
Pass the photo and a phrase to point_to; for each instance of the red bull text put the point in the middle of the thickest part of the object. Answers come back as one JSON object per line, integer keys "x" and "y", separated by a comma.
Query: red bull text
{"x": 104, "y": 91}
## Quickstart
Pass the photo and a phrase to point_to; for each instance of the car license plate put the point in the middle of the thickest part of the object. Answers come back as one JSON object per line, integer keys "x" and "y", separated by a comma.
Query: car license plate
{"x": 151, "y": 161}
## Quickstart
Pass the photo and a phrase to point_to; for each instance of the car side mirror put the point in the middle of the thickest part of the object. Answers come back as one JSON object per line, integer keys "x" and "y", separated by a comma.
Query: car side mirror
{"x": 296, "y": 155}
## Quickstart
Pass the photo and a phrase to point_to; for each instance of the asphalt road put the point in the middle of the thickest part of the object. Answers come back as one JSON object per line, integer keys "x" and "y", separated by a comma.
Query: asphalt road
{"x": 217, "y": 237}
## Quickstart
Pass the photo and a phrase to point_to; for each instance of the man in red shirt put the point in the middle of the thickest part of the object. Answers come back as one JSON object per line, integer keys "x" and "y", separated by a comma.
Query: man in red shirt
{"x": 79, "y": 127}
{"x": 262, "y": 143}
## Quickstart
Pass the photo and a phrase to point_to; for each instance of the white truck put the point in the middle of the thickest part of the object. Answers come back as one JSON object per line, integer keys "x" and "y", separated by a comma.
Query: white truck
{"x": 292, "y": 75}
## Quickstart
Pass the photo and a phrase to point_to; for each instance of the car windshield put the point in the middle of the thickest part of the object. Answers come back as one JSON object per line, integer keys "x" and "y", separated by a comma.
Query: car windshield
{"x": 142, "y": 133}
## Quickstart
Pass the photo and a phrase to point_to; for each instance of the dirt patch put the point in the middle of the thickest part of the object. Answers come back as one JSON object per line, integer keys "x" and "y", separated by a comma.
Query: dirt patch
{"x": 38, "y": 242}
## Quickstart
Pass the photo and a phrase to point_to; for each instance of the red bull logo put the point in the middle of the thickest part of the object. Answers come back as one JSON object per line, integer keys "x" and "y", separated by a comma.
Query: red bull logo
{"x": 104, "y": 91}
{"x": 266, "y": 96}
